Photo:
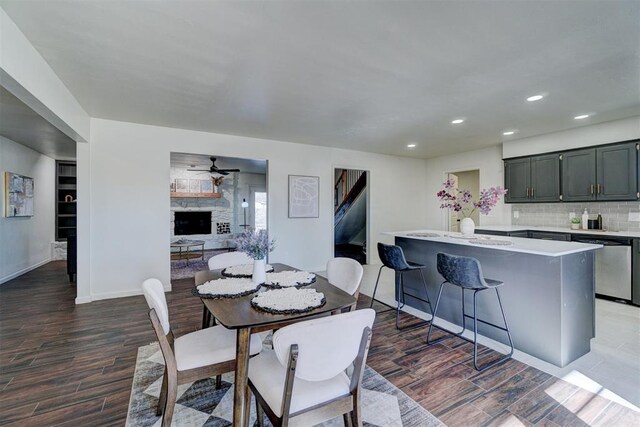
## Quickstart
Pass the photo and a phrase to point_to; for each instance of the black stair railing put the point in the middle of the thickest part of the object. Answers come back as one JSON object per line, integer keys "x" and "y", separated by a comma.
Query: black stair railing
{"x": 351, "y": 195}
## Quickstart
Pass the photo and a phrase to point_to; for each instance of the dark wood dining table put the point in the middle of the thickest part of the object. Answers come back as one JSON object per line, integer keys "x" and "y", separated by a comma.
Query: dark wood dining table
{"x": 238, "y": 314}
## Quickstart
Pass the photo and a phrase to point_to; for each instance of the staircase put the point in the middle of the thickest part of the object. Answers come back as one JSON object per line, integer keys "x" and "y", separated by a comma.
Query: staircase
{"x": 350, "y": 218}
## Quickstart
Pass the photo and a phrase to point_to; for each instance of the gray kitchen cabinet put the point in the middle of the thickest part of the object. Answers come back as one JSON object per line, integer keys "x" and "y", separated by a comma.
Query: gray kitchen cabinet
{"x": 616, "y": 170}
{"x": 545, "y": 178}
{"x": 579, "y": 175}
{"x": 517, "y": 180}
{"x": 602, "y": 173}
{"x": 533, "y": 179}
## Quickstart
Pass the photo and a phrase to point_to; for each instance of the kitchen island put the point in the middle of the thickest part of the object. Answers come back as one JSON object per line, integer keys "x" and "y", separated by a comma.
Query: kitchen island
{"x": 548, "y": 295}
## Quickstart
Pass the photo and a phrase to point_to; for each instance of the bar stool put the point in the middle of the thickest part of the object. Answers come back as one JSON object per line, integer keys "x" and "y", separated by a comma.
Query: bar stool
{"x": 393, "y": 257}
{"x": 466, "y": 273}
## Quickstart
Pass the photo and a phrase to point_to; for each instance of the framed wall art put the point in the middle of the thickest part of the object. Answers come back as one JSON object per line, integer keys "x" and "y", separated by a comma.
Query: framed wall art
{"x": 18, "y": 195}
{"x": 304, "y": 196}
{"x": 182, "y": 185}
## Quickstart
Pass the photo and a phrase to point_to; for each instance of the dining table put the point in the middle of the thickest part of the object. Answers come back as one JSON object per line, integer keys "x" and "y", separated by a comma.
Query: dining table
{"x": 240, "y": 315}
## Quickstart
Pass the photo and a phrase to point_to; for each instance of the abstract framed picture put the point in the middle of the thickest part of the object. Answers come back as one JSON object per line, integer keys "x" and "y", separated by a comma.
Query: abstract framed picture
{"x": 304, "y": 196}
{"x": 18, "y": 195}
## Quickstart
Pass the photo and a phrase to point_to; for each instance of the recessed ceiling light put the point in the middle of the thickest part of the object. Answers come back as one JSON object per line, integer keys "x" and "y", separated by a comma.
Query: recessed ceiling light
{"x": 457, "y": 121}
{"x": 411, "y": 145}
{"x": 509, "y": 132}
{"x": 582, "y": 116}
{"x": 535, "y": 98}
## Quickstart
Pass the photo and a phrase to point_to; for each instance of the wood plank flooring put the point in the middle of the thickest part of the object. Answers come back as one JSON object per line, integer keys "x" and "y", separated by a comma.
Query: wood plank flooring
{"x": 62, "y": 364}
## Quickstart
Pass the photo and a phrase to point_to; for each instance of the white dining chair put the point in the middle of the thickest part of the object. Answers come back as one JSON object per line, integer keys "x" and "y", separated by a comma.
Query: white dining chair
{"x": 346, "y": 274}
{"x": 229, "y": 259}
{"x": 303, "y": 381}
{"x": 196, "y": 355}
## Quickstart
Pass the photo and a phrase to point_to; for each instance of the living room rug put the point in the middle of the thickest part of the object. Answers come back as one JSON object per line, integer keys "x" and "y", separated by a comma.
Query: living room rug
{"x": 180, "y": 269}
{"x": 200, "y": 404}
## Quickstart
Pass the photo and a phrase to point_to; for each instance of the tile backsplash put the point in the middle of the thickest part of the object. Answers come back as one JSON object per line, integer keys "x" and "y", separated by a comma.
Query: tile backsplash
{"x": 615, "y": 215}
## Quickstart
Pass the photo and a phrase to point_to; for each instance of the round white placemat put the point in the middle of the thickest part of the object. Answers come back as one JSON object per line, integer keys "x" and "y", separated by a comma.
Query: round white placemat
{"x": 243, "y": 270}
{"x": 288, "y": 300}
{"x": 226, "y": 288}
{"x": 290, "y": 278}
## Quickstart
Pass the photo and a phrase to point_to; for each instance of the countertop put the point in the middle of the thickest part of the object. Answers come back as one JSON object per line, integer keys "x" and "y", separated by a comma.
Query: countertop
{"x": 551, "y": 248}
{"x": 566, "y": 230}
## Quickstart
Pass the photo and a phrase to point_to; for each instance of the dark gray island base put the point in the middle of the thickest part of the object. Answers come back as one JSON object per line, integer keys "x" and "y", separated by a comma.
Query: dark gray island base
{"x": 548, "y": 299}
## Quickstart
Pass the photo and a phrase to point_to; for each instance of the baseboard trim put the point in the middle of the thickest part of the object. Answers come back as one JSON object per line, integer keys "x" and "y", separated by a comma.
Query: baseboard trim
{"x": 24, "y": 270}
{"x": 113, "y": 295}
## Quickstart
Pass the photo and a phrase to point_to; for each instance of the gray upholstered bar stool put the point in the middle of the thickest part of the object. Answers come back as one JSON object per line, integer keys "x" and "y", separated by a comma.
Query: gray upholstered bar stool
{"x": 393, "y": 257}
{"x": 466, "y": 273}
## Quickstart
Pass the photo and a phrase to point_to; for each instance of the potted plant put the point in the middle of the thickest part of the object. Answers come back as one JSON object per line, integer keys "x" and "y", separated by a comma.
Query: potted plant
{"x": 257, "y": 245}
{"x": 460, "y": 200}
{"x": 575, "y": 223}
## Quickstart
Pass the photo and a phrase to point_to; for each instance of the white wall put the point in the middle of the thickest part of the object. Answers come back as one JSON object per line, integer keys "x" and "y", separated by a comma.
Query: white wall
{"x": 585, "y": 136}
{"x": 25, "y": 243}
{"x": 488, "y": 161}
{"x": 126, "y": 172}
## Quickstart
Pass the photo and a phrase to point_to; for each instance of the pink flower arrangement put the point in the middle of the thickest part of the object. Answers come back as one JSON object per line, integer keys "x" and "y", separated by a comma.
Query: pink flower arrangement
{"x": 462, "y": 200}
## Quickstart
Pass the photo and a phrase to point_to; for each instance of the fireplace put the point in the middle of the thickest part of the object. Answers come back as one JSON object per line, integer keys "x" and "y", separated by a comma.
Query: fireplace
{"x": 186, "y": 223}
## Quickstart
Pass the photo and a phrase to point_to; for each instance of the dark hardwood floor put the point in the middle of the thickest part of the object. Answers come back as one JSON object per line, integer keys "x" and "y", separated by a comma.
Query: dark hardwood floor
{"x": 68, "y": 364}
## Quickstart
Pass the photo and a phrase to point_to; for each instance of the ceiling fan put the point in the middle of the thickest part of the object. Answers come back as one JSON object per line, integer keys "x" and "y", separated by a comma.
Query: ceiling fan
{"x": 215, "y": 169}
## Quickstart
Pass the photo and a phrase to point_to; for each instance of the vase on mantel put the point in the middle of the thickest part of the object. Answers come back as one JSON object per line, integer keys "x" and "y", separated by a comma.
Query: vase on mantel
{"x": 259, "y": 275}
{"x": 467, "y": 226}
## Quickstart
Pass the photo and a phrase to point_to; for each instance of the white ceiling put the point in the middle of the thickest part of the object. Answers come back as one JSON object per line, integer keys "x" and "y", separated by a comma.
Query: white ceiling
{"x": 21, "y": 124}
{"x": 369, "y": 76}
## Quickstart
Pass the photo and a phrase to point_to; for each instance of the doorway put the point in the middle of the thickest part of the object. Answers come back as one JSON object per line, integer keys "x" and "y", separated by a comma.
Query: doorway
{"x": 464, "y": 180}
{"x": 350, "y": 210}
{"x": 212, "y": 200}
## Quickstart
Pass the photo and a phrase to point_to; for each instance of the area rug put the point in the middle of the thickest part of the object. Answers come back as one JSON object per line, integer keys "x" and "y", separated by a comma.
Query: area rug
{"x": 200, "y": 404}
{"x": 180, "y": 269}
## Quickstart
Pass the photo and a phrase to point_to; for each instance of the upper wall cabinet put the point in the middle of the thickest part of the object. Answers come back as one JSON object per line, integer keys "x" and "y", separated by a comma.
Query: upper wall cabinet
{"x": 533, "y": 179}
{"x": 601, "y": 173}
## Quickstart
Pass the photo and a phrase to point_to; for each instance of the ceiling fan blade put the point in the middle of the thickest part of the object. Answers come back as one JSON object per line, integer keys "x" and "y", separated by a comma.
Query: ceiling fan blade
{"x": 199, "y": 170}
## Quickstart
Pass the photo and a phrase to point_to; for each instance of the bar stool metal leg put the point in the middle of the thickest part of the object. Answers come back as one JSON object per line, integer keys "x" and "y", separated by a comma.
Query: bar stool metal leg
{"x": 401, "y": 297}
{"x": 451, "y": 334}
{"x": 375, "y": 288}
{"x": 475, "y": 333}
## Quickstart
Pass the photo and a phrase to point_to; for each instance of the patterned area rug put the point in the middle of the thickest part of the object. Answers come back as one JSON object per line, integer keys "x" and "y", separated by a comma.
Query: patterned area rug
{"x": 181, "y": 270}
{"x": 200, "y": 404}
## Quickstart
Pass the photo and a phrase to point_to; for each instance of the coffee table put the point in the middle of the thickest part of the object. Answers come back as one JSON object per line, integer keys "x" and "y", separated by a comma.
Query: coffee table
{"x": 187, "y": 245}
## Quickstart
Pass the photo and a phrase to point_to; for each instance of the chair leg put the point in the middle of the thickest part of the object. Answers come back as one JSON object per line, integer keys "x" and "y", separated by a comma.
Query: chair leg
{"x": 172, "y": 393}
{"x": 346, "y": 419}
{"x": 475, "y": 338}
{"x": 434, "y": 316}
{"x": 400, "y": 298}
{"x": 426, "y": 292}
{"x": 356, "y": 413}
{"x": 375, "y": 288}
{"x": 259, "y": 414}
{"x": 218, "y": 382}
{"x": 162, "y": 399}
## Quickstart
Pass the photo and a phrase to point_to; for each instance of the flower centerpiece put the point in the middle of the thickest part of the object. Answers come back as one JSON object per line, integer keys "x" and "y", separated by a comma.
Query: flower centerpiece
{"x": 461, "y": 200}
{"x": 257, "y": 245}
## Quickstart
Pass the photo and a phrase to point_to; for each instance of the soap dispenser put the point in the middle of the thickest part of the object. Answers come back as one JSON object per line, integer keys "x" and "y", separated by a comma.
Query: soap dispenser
{"x": 585, "y": 219}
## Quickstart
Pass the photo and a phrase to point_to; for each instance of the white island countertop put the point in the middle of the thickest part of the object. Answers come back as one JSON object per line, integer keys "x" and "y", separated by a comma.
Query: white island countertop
{"x": 566, "y": 230}
{"x": 551, "y": 248}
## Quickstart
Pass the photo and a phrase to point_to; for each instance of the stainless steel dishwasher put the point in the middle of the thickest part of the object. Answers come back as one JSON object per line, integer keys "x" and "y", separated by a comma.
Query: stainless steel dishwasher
{"x": 613, "y": 266}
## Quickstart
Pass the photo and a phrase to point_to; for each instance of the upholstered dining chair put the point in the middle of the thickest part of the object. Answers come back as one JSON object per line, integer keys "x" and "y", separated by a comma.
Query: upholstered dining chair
{"x": 346, "y": 274}
{"x": 303, "y": 381}
{"x": 218, "y": 262}
{"x": 197, "y": 355}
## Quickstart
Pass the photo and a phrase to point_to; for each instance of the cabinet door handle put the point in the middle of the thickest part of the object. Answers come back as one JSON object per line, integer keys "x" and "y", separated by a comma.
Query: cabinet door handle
{"x": 599, "y": 188}
{"x": 532, "y": 192}
{"x": 527, "y": 191}
{"x": 591, "y": 189}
